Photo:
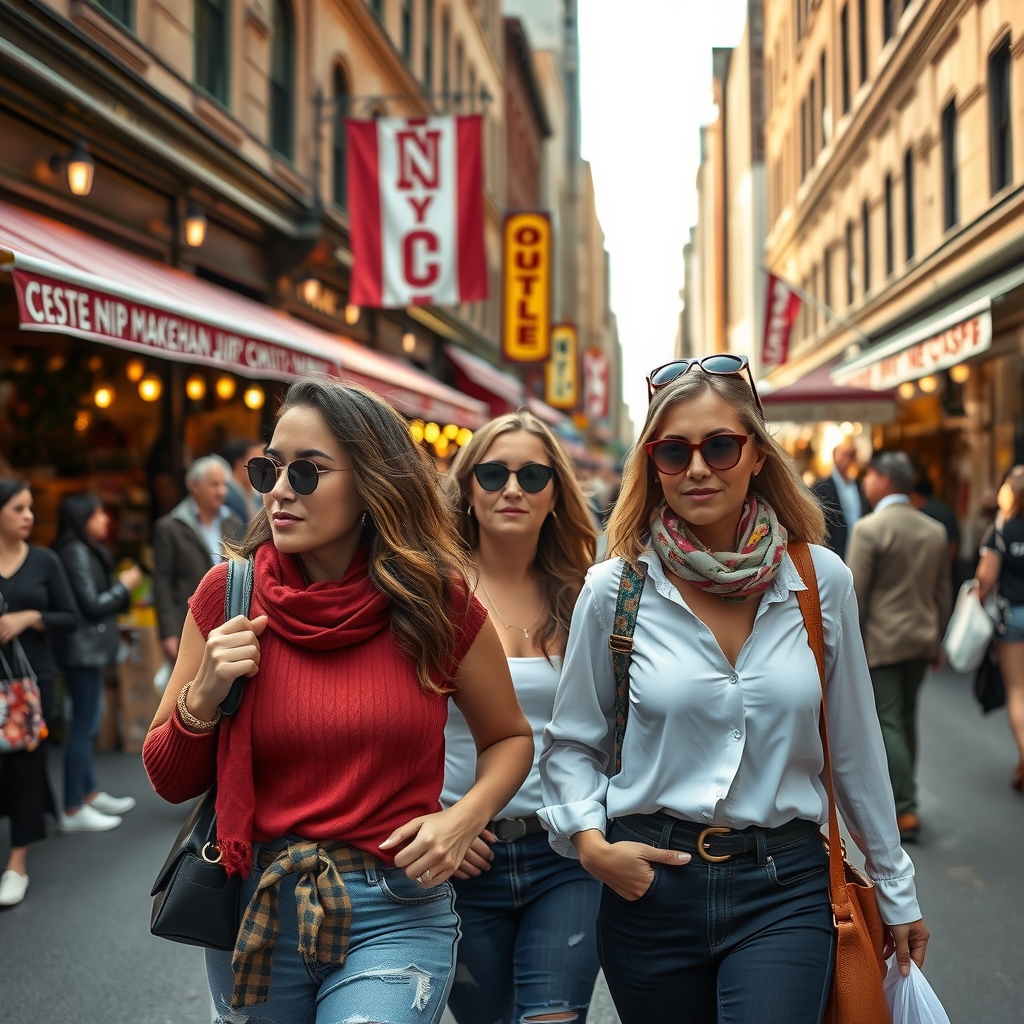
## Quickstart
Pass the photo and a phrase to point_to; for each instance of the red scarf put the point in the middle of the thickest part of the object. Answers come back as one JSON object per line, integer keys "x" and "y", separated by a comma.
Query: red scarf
{"x": 324, "y": 616}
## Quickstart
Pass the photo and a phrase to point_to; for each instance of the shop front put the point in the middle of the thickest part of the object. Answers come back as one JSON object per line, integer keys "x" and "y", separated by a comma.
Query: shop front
{"x": 958, "y": 373}
{"x": 116, "y": 371}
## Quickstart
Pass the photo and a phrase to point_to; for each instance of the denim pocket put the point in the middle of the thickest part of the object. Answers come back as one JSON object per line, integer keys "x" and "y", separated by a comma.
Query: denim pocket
{"x": 399, "y": 888}
{"x": 797, "y": 863}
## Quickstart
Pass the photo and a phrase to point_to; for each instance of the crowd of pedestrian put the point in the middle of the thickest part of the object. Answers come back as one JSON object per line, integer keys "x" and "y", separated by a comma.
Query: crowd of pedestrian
{"x": 406, "y": 645}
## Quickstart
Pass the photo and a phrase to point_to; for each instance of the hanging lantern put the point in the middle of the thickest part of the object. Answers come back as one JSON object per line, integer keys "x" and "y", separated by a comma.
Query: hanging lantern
{"x": 81, "y": 168}
{"x": 195, "y": 225}
{"x": 195, "y": 387}
{"x": 961, "y": 373}
{"x": 151, "y": 387}
{"x": 351, "y": 314}
{"x": 254, "y": 396}
{"x": 134, "y": 369}
{"x": 225, "y": 387}
{"x": 104, "y": 396}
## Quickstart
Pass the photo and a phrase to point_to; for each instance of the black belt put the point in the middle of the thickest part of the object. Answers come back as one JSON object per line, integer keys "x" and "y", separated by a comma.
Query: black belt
{"x": 715, "y": 843}
{"x": 508, "y": 830}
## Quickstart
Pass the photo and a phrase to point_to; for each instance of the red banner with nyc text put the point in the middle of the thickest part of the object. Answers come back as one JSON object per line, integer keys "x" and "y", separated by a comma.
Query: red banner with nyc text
{"x": 416, "y": 211}
{"x": 783, "y": 305}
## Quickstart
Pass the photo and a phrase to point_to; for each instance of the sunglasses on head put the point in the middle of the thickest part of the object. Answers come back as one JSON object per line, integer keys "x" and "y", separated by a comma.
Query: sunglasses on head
{"x": 672, "y": 455}
{"x": 532, "y": 478}
{"x": 303, "y": 475}
{"x": 721, "y": 364}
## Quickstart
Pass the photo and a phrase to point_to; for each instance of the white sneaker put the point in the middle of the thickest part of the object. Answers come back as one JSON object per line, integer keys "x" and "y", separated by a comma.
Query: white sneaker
{"x": 12, "y": 888}
{"x": 88, "y": 819}
{"x": 107, "y": 804}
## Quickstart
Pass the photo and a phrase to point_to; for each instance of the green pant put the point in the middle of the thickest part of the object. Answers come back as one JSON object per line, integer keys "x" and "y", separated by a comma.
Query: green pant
{"x": 896, "y": 689}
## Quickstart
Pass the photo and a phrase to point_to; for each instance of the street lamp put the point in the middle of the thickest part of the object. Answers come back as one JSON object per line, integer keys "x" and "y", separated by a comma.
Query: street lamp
{"x": 195, "y": 225}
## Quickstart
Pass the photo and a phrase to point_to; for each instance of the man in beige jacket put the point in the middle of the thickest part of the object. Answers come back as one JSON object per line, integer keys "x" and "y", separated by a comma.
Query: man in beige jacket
{"x": 900, "y": 564}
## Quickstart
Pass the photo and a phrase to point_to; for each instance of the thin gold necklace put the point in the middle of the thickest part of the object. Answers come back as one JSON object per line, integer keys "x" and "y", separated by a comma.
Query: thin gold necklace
{"x": 494, "y": 608}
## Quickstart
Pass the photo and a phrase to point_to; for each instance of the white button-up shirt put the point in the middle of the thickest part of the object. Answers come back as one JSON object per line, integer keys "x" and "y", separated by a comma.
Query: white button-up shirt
{"x": 709, "y": 742}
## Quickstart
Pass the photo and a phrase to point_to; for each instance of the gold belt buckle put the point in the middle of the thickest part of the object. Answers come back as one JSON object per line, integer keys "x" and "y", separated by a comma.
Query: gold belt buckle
{"x": 702, "y": 849}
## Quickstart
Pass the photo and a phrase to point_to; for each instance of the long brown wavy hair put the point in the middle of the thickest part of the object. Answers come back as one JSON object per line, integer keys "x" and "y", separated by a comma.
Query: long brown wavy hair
{"x": 779, "y": 482}
{"x": 568, "y": 541}
{"x": 415, "y": 555}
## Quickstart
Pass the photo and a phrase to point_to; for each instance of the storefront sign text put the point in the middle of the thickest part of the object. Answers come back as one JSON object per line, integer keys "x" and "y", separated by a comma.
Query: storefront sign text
{"x": 562, "y": 372}
{"x": 596, "y": 383}
{"x": 945, "y": 349}
{"x": 46, "y": 304}
{"x": 526, "y": 288}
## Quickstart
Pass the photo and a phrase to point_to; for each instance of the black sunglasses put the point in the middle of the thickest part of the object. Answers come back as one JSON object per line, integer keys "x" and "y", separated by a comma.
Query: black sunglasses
{"x": 303, "y": 474}
{"x": 721, "y": 364}
{"x": 672, "y": 455}
{"x": 533, "y": 477}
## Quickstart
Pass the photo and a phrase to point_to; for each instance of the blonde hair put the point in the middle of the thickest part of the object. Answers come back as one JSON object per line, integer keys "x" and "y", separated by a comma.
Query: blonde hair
{"x": 779, "y": 483}
{"x": 568, "y": 541}
{"x": 415, "y": 557}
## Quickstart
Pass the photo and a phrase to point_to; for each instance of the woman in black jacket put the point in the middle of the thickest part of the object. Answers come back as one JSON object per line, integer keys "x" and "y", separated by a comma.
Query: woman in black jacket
{"x": 86, "y": 653}
{"x": 35, "y": 605}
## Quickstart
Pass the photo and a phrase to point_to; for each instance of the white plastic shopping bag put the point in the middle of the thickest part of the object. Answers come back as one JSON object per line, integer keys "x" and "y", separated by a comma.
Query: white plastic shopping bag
{"x": 911, "y": 999}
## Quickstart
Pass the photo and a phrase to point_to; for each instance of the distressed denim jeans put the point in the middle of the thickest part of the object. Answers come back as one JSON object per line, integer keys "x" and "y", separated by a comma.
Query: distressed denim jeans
{"x": 399, "y": 968}
{"x": 529, "y": 943}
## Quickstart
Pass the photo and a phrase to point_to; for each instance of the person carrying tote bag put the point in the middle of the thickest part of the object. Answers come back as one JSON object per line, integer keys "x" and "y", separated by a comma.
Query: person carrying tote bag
{"x": 705, "y": 826}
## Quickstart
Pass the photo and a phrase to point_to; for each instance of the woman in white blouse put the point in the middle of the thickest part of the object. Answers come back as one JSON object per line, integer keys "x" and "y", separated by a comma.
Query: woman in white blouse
{"x": 716, "y": 904}
{"x": 528, "y": 949}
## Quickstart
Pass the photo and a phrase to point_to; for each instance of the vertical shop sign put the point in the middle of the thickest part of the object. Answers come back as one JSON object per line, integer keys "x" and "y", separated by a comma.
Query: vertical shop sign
{"x": 779, "y": 317}
{"x": 526, "y": 288}
{"x": 416, "y": 209}
{"x": 562, "y": 374}
{"x": 596, "y": 382}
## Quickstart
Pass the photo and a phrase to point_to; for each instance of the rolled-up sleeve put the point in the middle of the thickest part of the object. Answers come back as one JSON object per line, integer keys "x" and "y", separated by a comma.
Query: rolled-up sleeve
{"x": 863, "y": 791}
{"x": 579, "y": 742}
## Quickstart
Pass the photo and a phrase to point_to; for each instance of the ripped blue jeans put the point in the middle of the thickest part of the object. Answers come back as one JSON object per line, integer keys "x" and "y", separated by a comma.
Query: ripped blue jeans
{"x": 399, "y": 968}
{"x": 529, "y": 945}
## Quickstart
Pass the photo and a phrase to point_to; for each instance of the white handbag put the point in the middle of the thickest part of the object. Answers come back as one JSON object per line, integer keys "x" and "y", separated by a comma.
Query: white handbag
{"x": 970, "y": 629}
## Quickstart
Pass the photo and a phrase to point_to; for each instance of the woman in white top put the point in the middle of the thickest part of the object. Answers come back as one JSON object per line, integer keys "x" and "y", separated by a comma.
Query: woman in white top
{"x": 721, "y": 754}
{"x": 528, "y": 949}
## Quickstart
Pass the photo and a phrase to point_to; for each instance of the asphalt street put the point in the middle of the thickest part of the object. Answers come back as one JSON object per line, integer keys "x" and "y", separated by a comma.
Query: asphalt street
{"x": 78, "y": 950}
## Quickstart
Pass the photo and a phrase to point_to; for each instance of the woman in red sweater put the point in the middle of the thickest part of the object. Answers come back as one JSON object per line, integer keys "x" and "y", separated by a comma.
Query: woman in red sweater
{"x": 328, "y": 775}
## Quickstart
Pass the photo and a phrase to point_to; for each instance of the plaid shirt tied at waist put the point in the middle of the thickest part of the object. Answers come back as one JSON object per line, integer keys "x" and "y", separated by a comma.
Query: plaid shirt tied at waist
{"x": 324, "y": 912}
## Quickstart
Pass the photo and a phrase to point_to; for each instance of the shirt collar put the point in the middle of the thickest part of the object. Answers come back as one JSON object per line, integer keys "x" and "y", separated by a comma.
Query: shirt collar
{"x": 892, "y": 499}
{"x": 842, "y": 481}
{"x": 222, "y": 513}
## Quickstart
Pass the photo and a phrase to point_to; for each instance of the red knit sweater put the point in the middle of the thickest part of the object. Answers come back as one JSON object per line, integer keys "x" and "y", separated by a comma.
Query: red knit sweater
{"x": 346, "y": 745}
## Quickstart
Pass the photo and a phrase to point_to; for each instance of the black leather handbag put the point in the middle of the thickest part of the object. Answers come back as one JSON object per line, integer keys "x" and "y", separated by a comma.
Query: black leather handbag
{"x": 194, "y": 900}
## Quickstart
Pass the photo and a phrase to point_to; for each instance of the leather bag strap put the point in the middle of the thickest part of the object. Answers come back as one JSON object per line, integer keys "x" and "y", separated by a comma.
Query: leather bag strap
{"x": 810, "y": 608}
{"x": 627, "y": 604}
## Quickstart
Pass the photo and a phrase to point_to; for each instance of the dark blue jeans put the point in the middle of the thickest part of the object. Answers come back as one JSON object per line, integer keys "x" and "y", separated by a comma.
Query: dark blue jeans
{"x": 85, "y": 688}
{"x": 528, "y": 937}
{"x": 747, "y": 940}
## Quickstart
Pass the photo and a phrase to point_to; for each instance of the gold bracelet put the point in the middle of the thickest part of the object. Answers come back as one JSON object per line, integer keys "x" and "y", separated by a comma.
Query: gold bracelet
{"x": 189, "y": 720}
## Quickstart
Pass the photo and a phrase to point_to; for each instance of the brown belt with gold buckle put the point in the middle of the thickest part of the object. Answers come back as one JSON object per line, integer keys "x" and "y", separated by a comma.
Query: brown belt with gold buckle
{"x": 716, "y": 844}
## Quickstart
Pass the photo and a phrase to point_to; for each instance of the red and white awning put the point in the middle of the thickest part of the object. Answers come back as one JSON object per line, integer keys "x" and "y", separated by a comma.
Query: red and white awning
{"x": 70, "y": 283}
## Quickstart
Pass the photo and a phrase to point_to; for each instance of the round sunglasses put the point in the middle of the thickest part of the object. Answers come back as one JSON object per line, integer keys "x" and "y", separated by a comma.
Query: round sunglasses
{"x": 672, "y": 455}
{"x": 303, "y": 475}
{"x": 532, "y": 478}
{"x": 720, "y": 364}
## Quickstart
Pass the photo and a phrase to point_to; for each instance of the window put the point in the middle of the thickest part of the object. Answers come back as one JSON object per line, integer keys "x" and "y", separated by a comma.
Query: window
{"x": 824, "y": 101}
{"x": 849, "y": 263}
{"x": 865, "y": 230}
{"x": 212, "y": 48}
{"x": 908, "y": 201}
{"x": 826, "y": 283}
{"x": 119, "y": 10}
{"x": 999, "y": 116}
{"x": 890, "y": 15}
{"x": 446, "y": 39}
{"x": 862, "y": 38}
{"x": 812, "y": 311}
{"x": 889, "y": 255}
{"x": 950, "y": 183}
{"x": 458, "y": 73}
{"x": 844, "y": 44}
{"x": 407, "y": 30}
{"x": 339, "y": 153}
{"x": 812, "y": 109}
{"x": 282, "y": 79}
{"x": 803, "y": 139}
{"x": 428, "y": 44}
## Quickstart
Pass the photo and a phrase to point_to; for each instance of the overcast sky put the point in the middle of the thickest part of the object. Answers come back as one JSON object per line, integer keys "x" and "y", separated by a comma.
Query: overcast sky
{"x": 645, "y": 80}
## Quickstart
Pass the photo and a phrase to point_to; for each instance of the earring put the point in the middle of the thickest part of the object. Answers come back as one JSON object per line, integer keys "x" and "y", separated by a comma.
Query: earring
{"x": 365, "y": 517}
{"x": 469, "y": 511}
